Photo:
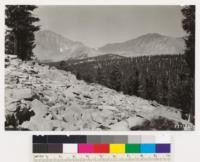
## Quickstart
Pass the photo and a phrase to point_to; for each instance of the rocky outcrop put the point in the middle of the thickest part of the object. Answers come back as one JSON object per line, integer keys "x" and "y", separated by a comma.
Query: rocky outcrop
{"x": 39, "y": 97}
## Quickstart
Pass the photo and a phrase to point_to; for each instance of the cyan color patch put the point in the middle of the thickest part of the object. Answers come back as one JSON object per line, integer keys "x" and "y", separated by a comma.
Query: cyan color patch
{"x": 148, "y": 148}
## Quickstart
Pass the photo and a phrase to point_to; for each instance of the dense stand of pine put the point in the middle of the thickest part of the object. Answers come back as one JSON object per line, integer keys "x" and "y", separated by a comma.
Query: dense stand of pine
{"x": 165, "y": 79}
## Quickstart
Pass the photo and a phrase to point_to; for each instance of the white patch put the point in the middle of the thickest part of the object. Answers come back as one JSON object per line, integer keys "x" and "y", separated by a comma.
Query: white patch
{"x": 61, "y": 50}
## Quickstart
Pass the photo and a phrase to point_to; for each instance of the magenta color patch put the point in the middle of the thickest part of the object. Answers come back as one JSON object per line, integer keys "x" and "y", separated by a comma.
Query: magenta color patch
{"x": 85, "y": 148}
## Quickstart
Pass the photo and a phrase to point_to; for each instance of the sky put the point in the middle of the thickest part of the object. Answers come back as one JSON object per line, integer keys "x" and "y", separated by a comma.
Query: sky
{"x": 96, "y": 26}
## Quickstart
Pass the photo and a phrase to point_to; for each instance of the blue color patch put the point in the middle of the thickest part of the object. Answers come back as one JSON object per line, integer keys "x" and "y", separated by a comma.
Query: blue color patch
{"x": 148, "y": 148}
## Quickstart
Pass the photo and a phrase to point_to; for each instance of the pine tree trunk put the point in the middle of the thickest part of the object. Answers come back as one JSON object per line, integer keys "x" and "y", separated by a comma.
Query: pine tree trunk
{"x": 192, "y": 105}
{"x": 189, "y": 117}
{"x": 15, "y": 44}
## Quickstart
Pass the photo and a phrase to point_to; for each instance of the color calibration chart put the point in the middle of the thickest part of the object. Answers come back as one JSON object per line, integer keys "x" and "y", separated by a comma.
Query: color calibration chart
{"x": 101, "y": 148}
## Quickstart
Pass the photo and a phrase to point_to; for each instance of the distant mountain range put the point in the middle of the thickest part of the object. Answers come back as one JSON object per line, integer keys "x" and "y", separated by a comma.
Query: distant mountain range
{"x": 148, "y": 44}
{"x": 54, "y": 47}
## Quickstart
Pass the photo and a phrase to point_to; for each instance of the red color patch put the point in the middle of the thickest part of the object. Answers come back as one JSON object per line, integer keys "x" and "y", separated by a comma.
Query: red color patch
{"x": 101, "y": 148}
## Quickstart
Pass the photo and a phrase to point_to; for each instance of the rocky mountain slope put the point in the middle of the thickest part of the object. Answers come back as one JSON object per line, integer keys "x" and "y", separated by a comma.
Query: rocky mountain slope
{"x": 148, "y": 44}
{"x": 51, "y": 46}
{"x": 39, "y": 97}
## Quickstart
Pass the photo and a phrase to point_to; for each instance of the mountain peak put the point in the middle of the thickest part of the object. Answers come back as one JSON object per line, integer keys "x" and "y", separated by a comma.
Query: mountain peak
{"x": 147, "y": 44}
{"x": 153, "y": 34}
{"x": 55, "y": 47}
{"x": 49, "y": 33}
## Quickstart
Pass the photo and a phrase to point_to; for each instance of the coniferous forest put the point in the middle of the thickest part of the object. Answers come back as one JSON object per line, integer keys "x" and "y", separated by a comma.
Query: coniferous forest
{"x": 165, "y": 79}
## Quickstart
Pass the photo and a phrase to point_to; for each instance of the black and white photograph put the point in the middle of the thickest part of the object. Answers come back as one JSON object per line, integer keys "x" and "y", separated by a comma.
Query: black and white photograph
{"x": 99, "y": 68}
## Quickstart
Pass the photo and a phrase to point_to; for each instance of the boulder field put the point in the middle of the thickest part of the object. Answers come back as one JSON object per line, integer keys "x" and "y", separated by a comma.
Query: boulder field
{"x": 43, "y": 98}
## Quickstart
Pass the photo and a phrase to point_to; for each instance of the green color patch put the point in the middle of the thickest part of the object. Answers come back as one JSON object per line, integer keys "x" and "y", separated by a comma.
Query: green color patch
{"x": 132, "y": 148}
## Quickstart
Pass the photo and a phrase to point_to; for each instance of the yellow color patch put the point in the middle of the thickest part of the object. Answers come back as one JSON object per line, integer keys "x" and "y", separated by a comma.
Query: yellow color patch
{"x": 117, "y": 148}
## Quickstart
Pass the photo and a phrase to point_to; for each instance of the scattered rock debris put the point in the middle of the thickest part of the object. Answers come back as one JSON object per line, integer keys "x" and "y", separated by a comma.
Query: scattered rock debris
{"x": 39, "y": 97}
